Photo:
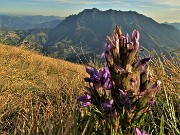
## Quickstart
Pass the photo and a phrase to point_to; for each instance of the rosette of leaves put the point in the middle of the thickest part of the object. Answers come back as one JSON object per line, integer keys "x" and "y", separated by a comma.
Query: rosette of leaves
{"x": 121, "y": 93}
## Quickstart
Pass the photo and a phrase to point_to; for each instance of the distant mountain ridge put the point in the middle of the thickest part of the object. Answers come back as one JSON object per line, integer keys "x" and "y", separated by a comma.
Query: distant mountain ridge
{"x": 83, "y": 35}
{"x": 89, "y": 28}
{"x": 175, "y": 24}
{"x": 29, "y": 22}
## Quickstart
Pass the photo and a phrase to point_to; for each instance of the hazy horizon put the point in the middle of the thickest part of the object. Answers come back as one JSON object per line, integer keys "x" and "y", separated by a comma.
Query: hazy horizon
{"x": 159, "y": 10}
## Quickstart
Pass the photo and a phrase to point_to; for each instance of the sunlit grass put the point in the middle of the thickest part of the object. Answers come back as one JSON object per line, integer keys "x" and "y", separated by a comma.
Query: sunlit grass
{"x": 164, "y": 116}
{"x": 39, "y": 94}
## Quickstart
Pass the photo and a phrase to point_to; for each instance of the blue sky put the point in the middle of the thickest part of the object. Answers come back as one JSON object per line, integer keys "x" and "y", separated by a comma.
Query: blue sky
{"x": 159, "y": 10}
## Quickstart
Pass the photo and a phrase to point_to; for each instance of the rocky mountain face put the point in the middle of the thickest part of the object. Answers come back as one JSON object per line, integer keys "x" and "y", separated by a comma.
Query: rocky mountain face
{"x": 87, "y": 31}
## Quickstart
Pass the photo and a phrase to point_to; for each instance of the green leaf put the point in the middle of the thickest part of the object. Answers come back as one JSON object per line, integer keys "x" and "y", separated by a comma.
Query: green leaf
{"x": 162, "y": 125}
{"x": 99, "y": 114}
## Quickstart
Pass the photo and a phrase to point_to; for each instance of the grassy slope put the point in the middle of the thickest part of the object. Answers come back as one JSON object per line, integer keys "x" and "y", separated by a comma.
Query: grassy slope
{"x": 38, "y": 94}
{"x": 36, "y": 90}
{"x": 21, "y": 69}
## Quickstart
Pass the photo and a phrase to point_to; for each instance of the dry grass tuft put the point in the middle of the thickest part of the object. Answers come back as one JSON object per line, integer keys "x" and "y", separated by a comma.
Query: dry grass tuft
{"x": 38, "y": 94}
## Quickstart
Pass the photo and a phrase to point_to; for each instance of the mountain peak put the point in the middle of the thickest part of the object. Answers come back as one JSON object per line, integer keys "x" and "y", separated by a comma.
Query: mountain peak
{"x": 89, "y": 28}
{"x": 93, "y": 10}
{"x": 109, "y": 10}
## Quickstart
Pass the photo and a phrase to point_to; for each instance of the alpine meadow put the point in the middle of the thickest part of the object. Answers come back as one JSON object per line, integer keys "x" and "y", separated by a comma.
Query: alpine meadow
{"x": 92, "y": 73}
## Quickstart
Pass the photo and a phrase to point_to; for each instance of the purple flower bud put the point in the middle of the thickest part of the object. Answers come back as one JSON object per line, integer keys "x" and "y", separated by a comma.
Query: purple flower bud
{"x": 141, "y": 63}
{"x": 108, "y": 53}
{"x": 86, "y": 99}
{"x": 98, "y": 78}
{"x": 107, "y": 85}
{"x": 135, "y": 36}
{"x": 107, "y": 50}
{"x": 122, "y": 93}
{"x": 126, "y": 39}
{"x": 107, "y": 105}
{"x": 135, "y": 39}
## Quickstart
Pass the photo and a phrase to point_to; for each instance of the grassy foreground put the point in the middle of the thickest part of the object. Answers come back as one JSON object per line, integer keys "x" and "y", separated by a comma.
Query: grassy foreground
{"x": 38, "y": 95}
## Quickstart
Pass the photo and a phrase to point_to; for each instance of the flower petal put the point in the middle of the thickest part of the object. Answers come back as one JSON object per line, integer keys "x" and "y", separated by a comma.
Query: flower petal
{"x": 89, "y": 79}
{"x": 88, "y": 96}
{"x": 122, "y": 93}
{"x": 103, "y": 55}
{"x": 82, "y": 98}
{"x": 142, "y": 62}
{"x": 107, "y": 104}
{"x": 107, "y": 85}
{"x": 138, "y": 131}
{"x": 89, "y": 70}
{"x": 86, "y": 104}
